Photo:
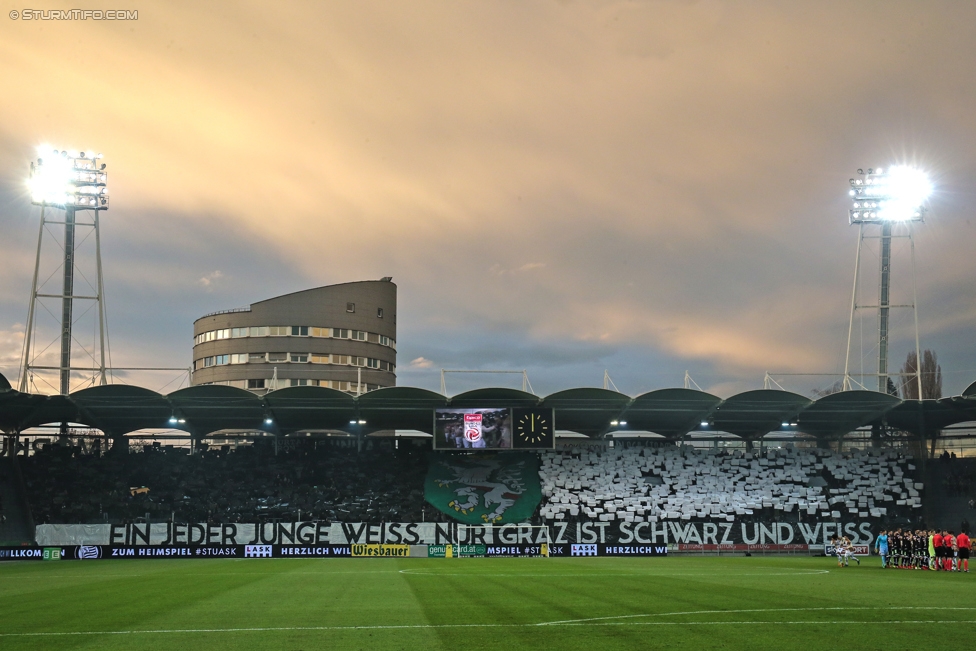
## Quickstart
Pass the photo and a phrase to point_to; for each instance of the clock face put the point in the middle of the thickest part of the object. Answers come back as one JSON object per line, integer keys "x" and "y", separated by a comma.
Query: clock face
{"x": 533, "y": 428}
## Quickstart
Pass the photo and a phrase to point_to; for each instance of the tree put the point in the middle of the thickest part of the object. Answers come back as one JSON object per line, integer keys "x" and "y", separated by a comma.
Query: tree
{"x": 931, "y": 376}
{"x": 892, "y": 389}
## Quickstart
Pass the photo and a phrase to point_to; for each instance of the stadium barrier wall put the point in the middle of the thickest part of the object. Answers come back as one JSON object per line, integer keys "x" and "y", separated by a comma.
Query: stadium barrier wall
{"x": 680, "y": 535}
{"x": 129, "y": 552}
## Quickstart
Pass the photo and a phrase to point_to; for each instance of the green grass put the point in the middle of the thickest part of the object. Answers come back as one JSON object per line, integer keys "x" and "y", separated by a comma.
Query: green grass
{"x": 589, "y": 603}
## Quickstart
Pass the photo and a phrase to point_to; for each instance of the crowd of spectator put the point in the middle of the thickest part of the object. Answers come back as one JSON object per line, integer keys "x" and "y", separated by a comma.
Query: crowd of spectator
{"x": 308, "y": 480}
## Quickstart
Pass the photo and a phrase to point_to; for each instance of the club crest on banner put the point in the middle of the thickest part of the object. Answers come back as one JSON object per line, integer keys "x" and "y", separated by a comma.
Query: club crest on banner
{"x": 485, "y": 489}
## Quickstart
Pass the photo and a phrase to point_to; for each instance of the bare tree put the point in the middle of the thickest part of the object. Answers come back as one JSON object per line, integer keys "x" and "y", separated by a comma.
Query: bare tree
{"x": 931, "y": 376}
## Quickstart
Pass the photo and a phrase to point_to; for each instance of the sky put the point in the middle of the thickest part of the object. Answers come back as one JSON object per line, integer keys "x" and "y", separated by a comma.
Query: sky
{"x": 566, "y": 187}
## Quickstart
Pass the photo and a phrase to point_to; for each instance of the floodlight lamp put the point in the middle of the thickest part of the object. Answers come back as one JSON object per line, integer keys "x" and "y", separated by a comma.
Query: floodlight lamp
{"x": 613, "y": 422}
{"x": 704, "y": 423}
{"x": 172, "y": 420}
{"x": 268, "y": 421}
{"x": 352, "y": 422}
{"x": 362, "y": 422}
{"x": 67, "y": 181}
{"x": 897, "y": 194}
{"x": 623, "y": 422}
{"x": 786, "y": 424}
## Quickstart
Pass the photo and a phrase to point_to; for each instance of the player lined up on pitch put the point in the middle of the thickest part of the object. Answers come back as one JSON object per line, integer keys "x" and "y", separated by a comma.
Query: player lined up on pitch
{"x": 941, "y": 551}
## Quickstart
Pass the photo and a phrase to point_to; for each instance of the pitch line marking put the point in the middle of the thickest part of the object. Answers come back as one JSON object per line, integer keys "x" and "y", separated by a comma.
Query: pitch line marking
{"x": 585, "y": 622}
{"x": 568, "y": 622}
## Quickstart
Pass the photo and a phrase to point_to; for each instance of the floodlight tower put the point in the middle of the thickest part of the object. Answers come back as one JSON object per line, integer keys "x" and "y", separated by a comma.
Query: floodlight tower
{"x": 73, "y": 182}
{"x": 885, "y": 199}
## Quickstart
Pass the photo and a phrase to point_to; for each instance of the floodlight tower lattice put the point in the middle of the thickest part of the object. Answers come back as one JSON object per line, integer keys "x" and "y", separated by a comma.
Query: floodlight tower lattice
{"x": 885, "y": 199}
{"x": 72, "y": 182}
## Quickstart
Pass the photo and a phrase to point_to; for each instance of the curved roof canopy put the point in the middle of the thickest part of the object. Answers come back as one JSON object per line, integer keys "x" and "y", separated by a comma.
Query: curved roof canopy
{"x": 754, "y": 413}
{"x": 122, "y": 408}
{"x": 845, "y": 411}
{"x": 400, "y": 408}
{"x": 669, "y": 412}
{"x": 672, "y": 413}
{"x": 212, "y": 407}
{"x": 308, "y": 408}
{"x": 494, "y": 397}
{"x": 587, "y": 411}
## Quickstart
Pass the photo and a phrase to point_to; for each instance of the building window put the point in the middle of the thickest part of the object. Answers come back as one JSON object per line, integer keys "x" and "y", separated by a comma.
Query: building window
{"x": 341, "y": 333}
{"x": 299, "y": 331}
{"x": 277, "y": 357}
{"x": 255, "y": 384}
{"x": 237, "y": 333}
{"x": 320, "y": 359}
{"x": 260, "y": 331}
{"x": 340, "y": 359}
{"x": 321, "y": 332}
{"x": 373, "y": 363}
{"x": 220, "y": 360}
{"x": 301, "y": 358}
{"x": 255, "y": 357}
{"x": 359, "y": 361}
{"x": 297, "y": 383}
{"x": 223, "y": 334}
{"x": 239, "y": 358}
{"x": 359, "y": 335}
{"x": 279, "y": 331}
{"x": 385, "y": 341}
{"x": 350, "y": 307}
{"x": 379, "y": 313}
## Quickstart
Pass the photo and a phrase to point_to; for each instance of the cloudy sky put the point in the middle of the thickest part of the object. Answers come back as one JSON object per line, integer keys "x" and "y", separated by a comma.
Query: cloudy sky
{"x": 565, "y": 187}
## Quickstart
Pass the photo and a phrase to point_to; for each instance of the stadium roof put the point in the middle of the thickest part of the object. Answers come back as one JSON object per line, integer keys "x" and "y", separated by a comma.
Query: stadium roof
{"x": 672, "y": 413}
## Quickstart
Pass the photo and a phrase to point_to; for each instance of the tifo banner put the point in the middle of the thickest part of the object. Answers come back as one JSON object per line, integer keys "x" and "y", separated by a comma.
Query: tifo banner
{"x": 688, "y": 536}
{"x": 487, "y": 488}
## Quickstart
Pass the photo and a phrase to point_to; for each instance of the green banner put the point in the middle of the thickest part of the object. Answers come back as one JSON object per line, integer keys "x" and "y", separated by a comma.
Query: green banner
{"x": 485, "y": 488}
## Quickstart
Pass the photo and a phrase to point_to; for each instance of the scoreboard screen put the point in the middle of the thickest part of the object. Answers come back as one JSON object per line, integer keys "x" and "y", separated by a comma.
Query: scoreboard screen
{"x": 494, "y": 428}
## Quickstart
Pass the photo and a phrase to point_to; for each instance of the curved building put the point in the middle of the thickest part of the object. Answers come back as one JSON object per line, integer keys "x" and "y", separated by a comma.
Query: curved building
{"x": 339, "y": 336}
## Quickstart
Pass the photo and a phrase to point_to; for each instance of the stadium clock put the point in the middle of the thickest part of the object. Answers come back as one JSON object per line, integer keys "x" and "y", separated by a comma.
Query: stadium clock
{"x": 533, "y": 428}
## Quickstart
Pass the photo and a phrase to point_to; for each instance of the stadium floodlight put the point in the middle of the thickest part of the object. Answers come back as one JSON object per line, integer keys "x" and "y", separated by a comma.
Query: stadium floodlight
{"x": 268, "y": 421}
{"x": 896, "y": 195}
{"x": 67, "y": 179}
{"x": 885, "y": 197}
{"x": 72, "y": 181}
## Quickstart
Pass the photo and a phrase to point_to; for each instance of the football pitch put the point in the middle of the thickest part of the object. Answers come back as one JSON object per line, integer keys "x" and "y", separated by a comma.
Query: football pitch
{"x": 569, "y": 603}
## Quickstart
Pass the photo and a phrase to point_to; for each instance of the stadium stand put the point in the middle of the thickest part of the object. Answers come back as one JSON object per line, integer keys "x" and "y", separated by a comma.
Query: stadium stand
{"x": 326, "y": 481}
{"x": 332, "y": 481}
{"x": 653, "y": 484}
{"x": 953, "y": 490}
{"x": 16, "y": 526}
